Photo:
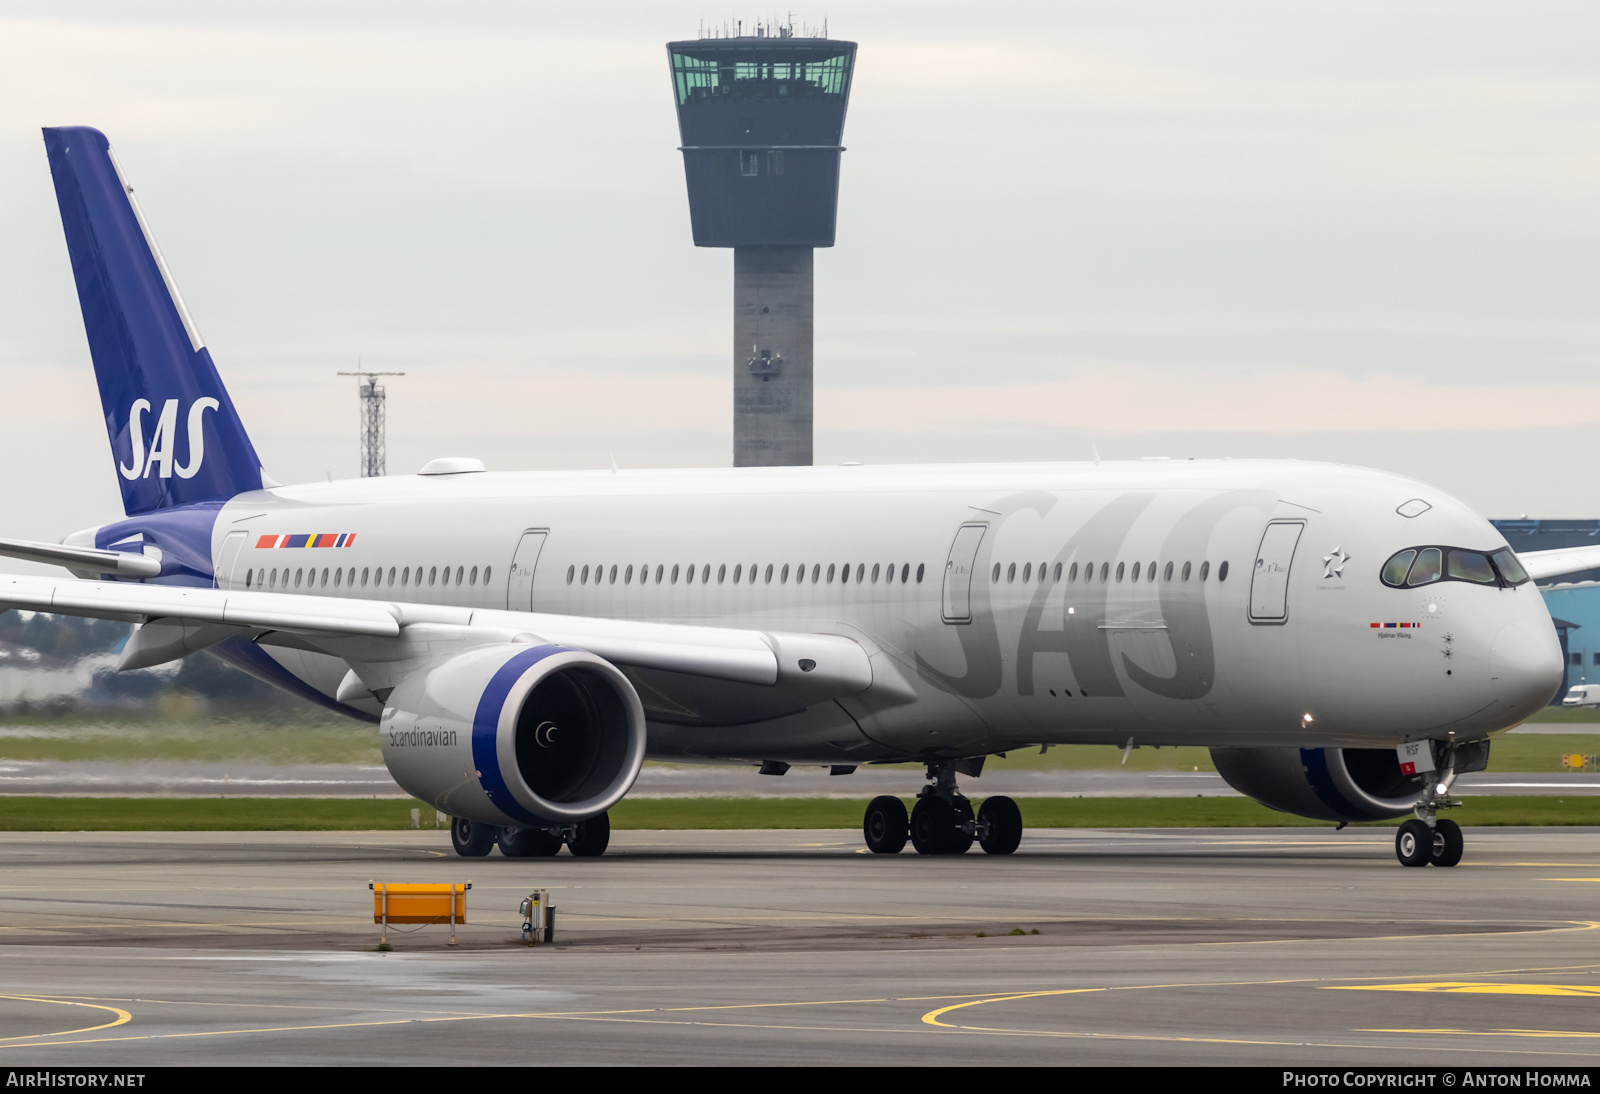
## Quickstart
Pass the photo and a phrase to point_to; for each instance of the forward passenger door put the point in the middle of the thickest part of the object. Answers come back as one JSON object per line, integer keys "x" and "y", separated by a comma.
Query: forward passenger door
{"x": 1269, "y": 584}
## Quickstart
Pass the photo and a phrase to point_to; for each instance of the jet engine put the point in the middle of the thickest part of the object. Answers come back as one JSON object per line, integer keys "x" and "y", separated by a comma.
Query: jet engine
{"x": 1334, "y": 784}
{"x": 515, "y": 735}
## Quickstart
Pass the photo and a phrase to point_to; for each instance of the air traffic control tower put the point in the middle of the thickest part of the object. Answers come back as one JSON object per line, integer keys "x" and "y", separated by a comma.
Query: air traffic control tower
{"x": 761, "y": 117}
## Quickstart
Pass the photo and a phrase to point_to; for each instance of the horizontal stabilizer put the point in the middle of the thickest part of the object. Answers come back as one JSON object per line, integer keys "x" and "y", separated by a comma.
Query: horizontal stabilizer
{"x": 86, "y": 560}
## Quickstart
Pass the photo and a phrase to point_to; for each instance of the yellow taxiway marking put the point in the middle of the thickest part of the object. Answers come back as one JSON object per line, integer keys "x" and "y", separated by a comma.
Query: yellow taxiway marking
{"x": 121, "y": 1017}
{"x": 1468, "y": 987}
{"x": 933, "y": 1017}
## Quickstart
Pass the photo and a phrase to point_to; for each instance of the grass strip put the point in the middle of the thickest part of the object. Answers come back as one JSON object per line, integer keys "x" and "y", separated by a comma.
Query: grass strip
{"x": 46, "y": 814}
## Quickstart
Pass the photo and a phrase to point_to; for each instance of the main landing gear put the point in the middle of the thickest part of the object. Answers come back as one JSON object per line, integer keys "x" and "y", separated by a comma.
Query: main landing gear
{"x": 1427, "y": 839}
{"x": 941, "y": 822}
{"x": 585, "y": 839}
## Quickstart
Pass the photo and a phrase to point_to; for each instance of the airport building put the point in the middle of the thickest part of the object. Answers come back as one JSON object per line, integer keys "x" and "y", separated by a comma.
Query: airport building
{"x": 761, "y": 118}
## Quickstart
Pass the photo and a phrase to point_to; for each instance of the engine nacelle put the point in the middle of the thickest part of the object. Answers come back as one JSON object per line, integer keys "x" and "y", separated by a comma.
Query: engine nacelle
{"x": 516, "y": 735}
{"x": 1335, "y": 784}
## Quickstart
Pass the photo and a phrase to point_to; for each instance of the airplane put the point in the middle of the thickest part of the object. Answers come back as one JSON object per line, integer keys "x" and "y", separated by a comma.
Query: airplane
{"x": 1345, "y": 641}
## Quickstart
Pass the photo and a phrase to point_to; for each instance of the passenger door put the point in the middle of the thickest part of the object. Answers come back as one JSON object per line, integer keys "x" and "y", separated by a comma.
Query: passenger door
{"x": 958, "y": 573}
{"x": 519, "y": 589}
{"x": 228, "y": 558}
{"x": 1269, "y": 585}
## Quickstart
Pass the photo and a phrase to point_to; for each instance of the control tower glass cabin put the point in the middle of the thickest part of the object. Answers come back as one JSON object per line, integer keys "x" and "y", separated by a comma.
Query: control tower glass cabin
{"x": 761, "y": 119}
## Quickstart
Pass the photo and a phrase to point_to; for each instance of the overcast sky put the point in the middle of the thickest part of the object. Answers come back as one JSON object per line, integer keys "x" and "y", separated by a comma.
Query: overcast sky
{"x": 1364, "y": 232}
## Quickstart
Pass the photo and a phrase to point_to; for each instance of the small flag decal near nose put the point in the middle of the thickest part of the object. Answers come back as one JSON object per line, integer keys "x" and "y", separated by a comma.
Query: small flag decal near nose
{"x": 309, "y": 539}
{"x": 1391, "y": 626}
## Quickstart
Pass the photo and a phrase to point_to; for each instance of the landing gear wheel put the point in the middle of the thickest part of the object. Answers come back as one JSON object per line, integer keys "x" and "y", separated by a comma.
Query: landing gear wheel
{"x": 932, "y": 819}
{"x": 1002, "y": 820}
{"x": 471, "y": 839}
{"x": 885, "y": 825}
{"x": 1448, "y": 843}
{"x": 592, "y": 837}
{"x": 1413, "y": 844}
{"x": 937, "y": 826}
{"x": 528, "y": 843}
{"x": 960, "y": 837}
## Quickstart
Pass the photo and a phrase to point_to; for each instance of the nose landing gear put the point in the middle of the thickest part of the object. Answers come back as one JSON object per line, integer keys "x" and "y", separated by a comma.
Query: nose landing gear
{"x": 1426, "y": 839}
{"x": 941, "y": 821}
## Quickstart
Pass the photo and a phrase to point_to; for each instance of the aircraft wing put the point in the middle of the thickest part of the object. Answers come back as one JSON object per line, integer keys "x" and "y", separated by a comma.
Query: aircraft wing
{"x": 1562, "y": 560}
{"x": 176, "y": 621}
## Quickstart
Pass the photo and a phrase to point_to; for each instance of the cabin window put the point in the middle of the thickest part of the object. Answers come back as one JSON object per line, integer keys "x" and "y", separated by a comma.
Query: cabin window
{"x": 920, "y": 566}
{"x": 861, "y": 572}
{"x": 1222, "y": 571}
{"x": 738, "y": 572}
{"x": 1011, "y": 573}
{"x": 1072, "y": 574}
{"x": 1119, "y": 571}
{"x": 995, "y": 576}
{"x": 583, "y": 578}
{"x": 433, "y": 573}
{"x": 1057, "y": 577}
{"x": 1205, "y": 570}
{"x": 1135, "y": 571}
{"x": 784, "y": 579}
{"x": 337, "y": 576}
{"x": 874, "y": 573}
{"x": 905, "y": 573}
{"x": 705, "y": 573}
{"x": 627, "y": 575}
{"x": 1167, "y": 573}
{"x": 674, "y": 573}
{"x": 816, "y": 572}
{"x": 830, "y": 573}
{"x": 722, "y": 572}
{"x": 661, "y": 571}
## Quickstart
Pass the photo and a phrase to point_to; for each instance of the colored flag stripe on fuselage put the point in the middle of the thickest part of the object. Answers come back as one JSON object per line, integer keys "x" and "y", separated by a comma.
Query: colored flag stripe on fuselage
{"x": 309, "y": 539}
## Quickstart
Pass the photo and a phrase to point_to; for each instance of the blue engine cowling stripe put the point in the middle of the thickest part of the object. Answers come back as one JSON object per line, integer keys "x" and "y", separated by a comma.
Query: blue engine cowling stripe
{"x": 1315, "y": 761}
{"x": 486, "y": 730}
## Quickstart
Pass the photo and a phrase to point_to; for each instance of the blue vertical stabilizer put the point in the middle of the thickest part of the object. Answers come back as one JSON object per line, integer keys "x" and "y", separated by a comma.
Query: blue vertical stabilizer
{"x": 175, "y": 436}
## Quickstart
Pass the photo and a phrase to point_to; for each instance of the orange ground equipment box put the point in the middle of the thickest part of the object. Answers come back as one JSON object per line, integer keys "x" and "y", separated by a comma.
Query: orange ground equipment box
{"x": 428, "y": 902}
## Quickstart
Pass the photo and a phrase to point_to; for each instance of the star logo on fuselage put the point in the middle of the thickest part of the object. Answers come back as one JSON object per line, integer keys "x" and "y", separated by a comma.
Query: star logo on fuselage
{"x": 1333, "y": 565}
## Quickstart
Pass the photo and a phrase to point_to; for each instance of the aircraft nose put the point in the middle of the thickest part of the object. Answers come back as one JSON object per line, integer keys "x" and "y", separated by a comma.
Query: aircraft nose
{"x": 1525, "y": 665}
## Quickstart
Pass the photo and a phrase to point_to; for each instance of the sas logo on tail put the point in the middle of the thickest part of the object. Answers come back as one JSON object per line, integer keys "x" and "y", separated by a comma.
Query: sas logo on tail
{"x": 162, "y": 452}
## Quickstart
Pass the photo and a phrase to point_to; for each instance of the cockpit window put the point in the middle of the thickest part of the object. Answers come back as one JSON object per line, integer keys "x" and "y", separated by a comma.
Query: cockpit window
{"x": 1416, "y": 566}
{"x": 1471, "y": 566}
{"x": 1510, "y": 569}
{"x": 1394, "y": 571}
{"x": 1426, "y": 568}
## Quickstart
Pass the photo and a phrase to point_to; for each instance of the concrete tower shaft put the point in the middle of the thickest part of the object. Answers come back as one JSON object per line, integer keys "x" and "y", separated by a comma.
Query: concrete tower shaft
{"x": 761, "y": 117}
{"x": 772, "y": 356}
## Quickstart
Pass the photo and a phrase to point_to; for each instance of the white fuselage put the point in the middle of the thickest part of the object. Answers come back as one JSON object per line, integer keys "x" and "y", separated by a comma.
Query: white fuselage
{"x": 1003, "y": 605}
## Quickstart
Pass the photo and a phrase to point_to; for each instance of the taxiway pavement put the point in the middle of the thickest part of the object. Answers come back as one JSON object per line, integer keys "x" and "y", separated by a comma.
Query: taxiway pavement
{"x": 1294, "y": 946}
